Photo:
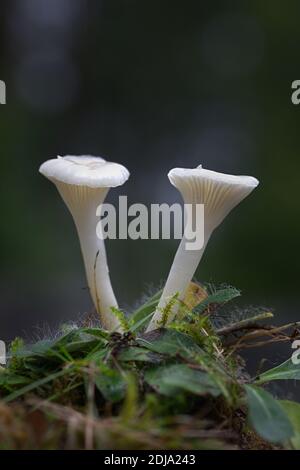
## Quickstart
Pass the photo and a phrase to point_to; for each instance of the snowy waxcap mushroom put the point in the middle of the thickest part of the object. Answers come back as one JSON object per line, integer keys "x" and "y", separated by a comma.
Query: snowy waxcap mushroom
{"x": 219, "y": 193}
{"x": 85, "y": 170}
{"x": 83, "y": 183}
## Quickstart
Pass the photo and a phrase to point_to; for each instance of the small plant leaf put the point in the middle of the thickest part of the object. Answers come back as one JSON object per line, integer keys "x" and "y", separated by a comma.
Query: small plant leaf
{"x": 97, "y": 332}
{"x": 121, "y": 317}
{"x": 168, "y": 380}
{"x": 194, "y": 295}
{"x": 267, "y": 416}
{"x": 111, "y": 384}
{"x": 167, "y": 310}
{"x": 144, "y": 312}
{"x": 220, "y": 297}
{"x": 170, "y": 342}
{"x": 8, "y": 379}
{"x": 34, "y": 385}
{"x": 292, "y": 409}
{"x": 286, "y": 370}
{"x": 133, "y": 353}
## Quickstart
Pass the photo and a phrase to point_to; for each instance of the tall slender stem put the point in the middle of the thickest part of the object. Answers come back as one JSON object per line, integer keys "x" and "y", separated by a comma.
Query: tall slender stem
{"x": 82, "y": 203}
{"x": 97, "y": 273}
{"x": 182, "y": 271}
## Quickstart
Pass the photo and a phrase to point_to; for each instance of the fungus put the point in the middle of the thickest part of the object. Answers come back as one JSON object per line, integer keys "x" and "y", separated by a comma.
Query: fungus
{"x": 219, "y": 193}
{"x": 83, "y": 183}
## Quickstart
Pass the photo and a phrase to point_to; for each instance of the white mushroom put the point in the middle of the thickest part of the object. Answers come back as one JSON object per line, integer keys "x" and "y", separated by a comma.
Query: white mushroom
{"x": 219, "y": 193}
{"x": 83, "y": 182}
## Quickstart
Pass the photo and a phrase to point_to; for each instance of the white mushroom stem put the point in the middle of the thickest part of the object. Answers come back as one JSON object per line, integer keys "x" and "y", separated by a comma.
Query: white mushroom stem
{"x": 82, "y": 203}
{"x": 97, "y": 273}
{"x": 181, "y": 273}
{"x": 219, "y": 193}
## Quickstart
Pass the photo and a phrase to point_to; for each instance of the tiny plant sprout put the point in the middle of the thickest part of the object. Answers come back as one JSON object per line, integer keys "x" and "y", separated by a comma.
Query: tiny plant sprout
{"x": 219, "y": 193}
{"x": 83, "y": 182}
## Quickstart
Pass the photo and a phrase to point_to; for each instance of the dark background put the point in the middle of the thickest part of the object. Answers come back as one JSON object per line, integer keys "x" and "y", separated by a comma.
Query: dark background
{"x": 152, "y": 85}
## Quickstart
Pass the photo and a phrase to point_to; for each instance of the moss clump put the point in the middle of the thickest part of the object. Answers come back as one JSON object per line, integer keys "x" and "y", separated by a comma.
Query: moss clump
{"x": 183, "y": 386}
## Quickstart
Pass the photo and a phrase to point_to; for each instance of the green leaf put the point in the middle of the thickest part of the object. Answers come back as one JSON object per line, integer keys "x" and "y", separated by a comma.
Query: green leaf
{"x": 286, "y": 370}
{"x": 121, "y": 317}
{"x": 221, "y": 296}
{"x": 83, "y": 335}
{"x": 134, "y": 353}
{"x": 166, "y": 312}
{"x": 82, "y": 347}
{"x": 39, "y": 348}
{"x": 78, "y": 340}
{"x": 170, "y": 342}
{"x": 110, "y": 384}
{"x": 139, "y": 317}
{"x": 267, "y": 416}
{"x": 169, "y": 380}
{"x": 292, "y": 409}
{"x": 7, "y": 379}
{"x": 137, "y": 326}
{"x": 97, "y": 332}
{"x": 38, "y": 383}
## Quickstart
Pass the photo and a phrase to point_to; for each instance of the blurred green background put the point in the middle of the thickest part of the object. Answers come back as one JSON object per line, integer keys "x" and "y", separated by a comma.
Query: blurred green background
{"x": 152, "y": 85}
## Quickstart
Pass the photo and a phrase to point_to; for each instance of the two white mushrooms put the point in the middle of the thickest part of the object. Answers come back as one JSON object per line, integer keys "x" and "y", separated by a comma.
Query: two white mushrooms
{"x": 84, "y": 181}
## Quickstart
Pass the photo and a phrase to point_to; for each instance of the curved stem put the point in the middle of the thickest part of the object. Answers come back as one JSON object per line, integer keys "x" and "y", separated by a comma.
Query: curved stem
{"x": 82, "y": 203}
{"x": 97, "y": 273}
{"x": 182, "y": 271}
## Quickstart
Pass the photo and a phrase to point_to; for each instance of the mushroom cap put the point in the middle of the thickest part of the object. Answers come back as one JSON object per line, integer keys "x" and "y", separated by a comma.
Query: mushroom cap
{"x": 219, "y": 192}
{"x": 177, "y": 174}
{"x": 85, "y": 170}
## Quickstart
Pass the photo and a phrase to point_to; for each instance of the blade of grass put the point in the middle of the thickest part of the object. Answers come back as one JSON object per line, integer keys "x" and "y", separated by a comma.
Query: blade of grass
{"x": 136, "y": 326}
{"x": 152, "y": 302}
{"x": 36, "y": 384}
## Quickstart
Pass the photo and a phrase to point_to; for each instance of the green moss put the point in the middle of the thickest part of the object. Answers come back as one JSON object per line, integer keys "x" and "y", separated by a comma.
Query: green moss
{"x": 179, "y": 387}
